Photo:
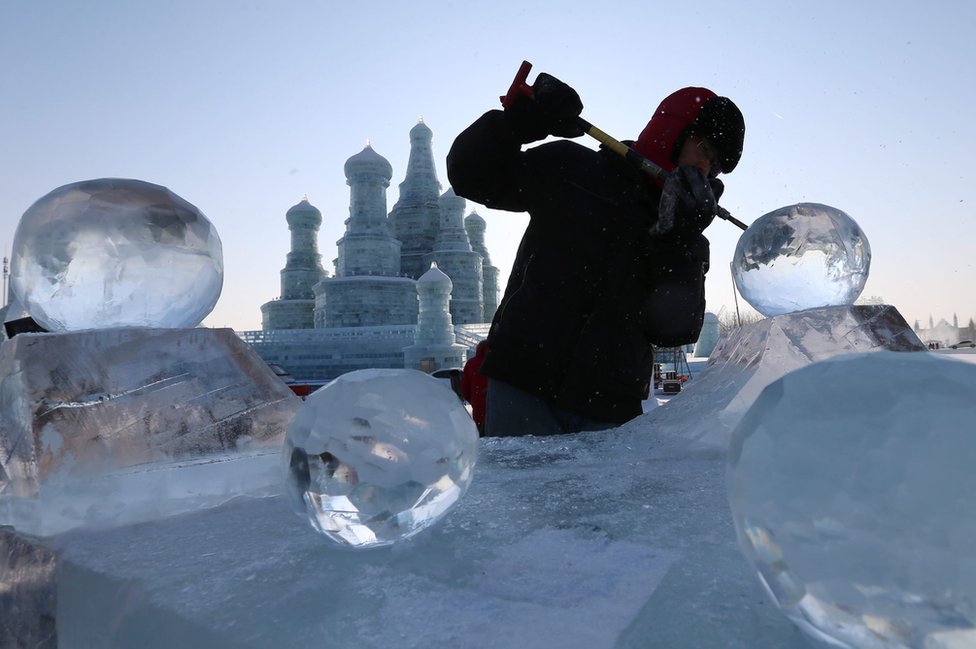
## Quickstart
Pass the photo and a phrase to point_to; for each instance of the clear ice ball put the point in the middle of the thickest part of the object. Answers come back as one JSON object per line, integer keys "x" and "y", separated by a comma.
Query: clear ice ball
{"x": 378, "y": 455}
{"x": 851, "y": 486}
{"x": 115, "y": 253}
{"x": 800, "y": 257}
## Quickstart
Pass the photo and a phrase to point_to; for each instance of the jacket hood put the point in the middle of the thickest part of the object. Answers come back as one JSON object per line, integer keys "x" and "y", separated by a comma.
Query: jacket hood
{"x": 693, "y": 110}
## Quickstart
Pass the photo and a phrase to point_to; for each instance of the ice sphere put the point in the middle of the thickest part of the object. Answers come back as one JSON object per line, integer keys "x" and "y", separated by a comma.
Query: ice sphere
{"x": 800, "y": 257}
{"x": 378, "y": 455}
{"x": 850, "y": 483}
{"x": 115, "y": 253}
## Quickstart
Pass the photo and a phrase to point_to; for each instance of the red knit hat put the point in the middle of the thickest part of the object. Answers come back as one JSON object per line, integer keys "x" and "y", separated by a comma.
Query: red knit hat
{"x": 693, "y": 110}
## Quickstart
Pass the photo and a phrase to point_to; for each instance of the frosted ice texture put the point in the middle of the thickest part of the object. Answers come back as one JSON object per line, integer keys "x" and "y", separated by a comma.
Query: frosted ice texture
{"x": 629, "y": 527}
{"x": 109, "y": 427}
{"x": 378, "y": 455}
{"x": 115, "y": 253}
{"x": 851, "y": 484}
{"x": 800, "y": 257}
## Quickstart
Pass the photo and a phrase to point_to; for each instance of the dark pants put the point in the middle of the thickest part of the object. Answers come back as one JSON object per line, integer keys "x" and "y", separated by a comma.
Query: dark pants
{"x": 513, "y": 412}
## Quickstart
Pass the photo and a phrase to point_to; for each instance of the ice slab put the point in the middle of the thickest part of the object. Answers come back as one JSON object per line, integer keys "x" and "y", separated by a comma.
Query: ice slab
{"x": 28, "y": 592}
{"x": 568, "y": 542}
{"x": 115, "y": 426}
{"x": 615, "y": 539}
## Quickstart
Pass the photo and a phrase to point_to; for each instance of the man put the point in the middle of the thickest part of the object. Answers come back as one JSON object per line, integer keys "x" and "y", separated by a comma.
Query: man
{"x": 611, "y": 261}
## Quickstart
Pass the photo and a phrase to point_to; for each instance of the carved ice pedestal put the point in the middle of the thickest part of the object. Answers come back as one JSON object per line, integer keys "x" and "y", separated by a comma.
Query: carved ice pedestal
{"x": 108, "y": 427}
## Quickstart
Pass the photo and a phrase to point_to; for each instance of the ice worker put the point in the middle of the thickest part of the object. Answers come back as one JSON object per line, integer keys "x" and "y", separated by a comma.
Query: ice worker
{"x": 612, "y": 262}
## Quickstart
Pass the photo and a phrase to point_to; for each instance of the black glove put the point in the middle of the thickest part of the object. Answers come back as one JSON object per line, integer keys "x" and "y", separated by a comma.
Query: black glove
{"x": 559, "y": 105}
{"x": 552, "y": 110}
{"x": 689, "y": 203}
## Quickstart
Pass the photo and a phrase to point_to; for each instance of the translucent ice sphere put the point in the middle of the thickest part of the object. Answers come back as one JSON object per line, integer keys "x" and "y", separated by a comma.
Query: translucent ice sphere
{"x": 378, "y": 455}
{"x": 851, "y": 485}
{"x": 801, "y": 257}
{"x": 115, "y": 253}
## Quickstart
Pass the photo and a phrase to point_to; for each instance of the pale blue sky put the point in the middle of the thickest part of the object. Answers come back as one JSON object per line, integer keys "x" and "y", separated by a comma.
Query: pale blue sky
{"x": 242, "y": 107}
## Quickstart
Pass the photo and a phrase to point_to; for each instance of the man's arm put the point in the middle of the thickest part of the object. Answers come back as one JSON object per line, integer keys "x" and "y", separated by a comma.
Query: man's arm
{"x": 483, "y": 163}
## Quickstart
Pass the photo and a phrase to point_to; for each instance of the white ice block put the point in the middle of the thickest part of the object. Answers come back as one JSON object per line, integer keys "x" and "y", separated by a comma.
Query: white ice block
{"x": 115, "y": 426}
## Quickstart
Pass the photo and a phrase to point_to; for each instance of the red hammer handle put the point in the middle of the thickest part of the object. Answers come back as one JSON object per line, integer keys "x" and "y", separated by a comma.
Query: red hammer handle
{"x": 519, "y": 86}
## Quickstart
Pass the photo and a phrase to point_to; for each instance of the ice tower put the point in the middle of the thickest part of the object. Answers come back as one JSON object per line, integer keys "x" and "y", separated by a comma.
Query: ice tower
{"x": 475, "y": 227}
{"x": 367, "y": 289}
{"x": 416, "y": 215}
{"x": 453, "y": 255}
{"x": 302, "y": 271}
{"x": 435, "y": 344}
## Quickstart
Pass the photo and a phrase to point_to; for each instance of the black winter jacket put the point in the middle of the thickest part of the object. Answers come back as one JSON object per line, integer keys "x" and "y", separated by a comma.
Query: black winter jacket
{"x": 590, "y": 290}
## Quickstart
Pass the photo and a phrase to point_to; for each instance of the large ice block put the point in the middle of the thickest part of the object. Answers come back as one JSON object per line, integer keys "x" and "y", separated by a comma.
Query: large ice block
{"x": 560, "y": 543}
{"x": 618, "y": 539}
{"x": 114, "y": 426}
{"x": 853, "y": 501}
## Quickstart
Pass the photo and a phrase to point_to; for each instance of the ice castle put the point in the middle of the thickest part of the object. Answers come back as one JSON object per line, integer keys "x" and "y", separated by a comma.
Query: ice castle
{"x": 413, "y": 288}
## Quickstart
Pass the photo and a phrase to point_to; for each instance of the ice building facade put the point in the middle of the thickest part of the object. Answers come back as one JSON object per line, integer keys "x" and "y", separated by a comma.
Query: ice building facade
{"x": 942, "y": 334}
{"x": 368, "y": 288}
{"x": 475, "y": 226}
{"x": 435, "y": 339}
{"x": 413, "y": 288}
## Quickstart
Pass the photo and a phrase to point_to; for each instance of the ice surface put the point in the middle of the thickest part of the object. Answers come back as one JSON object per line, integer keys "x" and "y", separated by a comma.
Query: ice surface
{"x": 107, "y": 427}
{"x": 618, "y": 539}
{"x": 800, "y": 257}
{"x": 560, "y": 543}
{"x": 851, "y": 482}
{"x": 115, "y": 253}
{"x": 378, "y": 455}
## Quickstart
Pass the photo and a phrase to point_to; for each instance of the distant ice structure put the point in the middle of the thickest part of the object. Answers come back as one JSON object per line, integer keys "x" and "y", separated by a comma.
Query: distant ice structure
{"x": 709, "y": 335}
{"x": 851, "y": 483}
{"x": 378, "y": 455}
{"x": 801, "y": 257}
{"x": 115, "y": 253}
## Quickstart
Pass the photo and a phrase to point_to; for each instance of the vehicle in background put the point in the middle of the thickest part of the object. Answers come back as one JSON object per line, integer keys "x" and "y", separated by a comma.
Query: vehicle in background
{"x": 300, "y": 388}
{"x": 452, "y": 375}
